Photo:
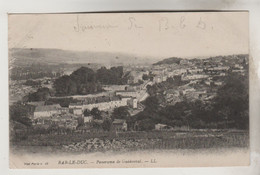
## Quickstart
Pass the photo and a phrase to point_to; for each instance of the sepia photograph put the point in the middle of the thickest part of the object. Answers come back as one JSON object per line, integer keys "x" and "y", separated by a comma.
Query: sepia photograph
{"x": 128, "y": 90}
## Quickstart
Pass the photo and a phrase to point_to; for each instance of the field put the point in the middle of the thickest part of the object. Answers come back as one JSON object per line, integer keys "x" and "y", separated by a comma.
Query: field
{"x": 133, "y": 141}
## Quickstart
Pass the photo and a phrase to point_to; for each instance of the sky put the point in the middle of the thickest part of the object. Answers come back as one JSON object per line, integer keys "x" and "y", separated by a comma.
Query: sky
{"x": 186, "y": 35}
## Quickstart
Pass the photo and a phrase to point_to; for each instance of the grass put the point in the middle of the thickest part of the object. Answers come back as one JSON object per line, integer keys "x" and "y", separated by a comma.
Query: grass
{"x": 152, "y": 139}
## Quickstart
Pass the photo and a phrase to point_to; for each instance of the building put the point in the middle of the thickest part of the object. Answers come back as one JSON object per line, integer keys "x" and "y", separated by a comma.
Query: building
{"x": 88, "y": 119}
{"x": 66, "y": 121}
{"x": 218, "y": 83}
{"x": 47, "y": 110}
{"x": 157, "y": 79}
{"x": 101, "y": 104}
{"x": 208, "y": 82}
{"x": 64, "y": 110}
{"x": 77, "y": 111}
{"x": 135, "y": 76}
{"x": 120, "y": 125}
{"x": 127, "y": 93}
{"x": 194, "y": 77}
{"x": 36, "y": 103}
{"x": 218, "y": 69}
{"x": 61, "y": 121}
{"x": 160, "y": 126}
{"x": 132, "y": 102}
{"x": 115, "y": 87}
{"x": 195, "y": 71}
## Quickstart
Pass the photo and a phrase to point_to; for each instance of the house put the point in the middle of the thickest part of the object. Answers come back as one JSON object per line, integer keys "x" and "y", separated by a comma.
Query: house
{"x": 46, "y": 110}
{"x": 63, "y": 121}
{"x": 85, "y": 128}
{"x": 114, "y": 87}
{"x": 36, "y": 103}
{"x": 88, "y": 119}
{"x": 127, "y": 93}
{"x": 103, "y": 103}
{"x": 218, "y": 83}
{"x": 77, "y": 111}
{"x": 195, "y": 71}
{"x": 64, "y": 110}
{"x": 134, "y": 77}
{"x": 66, "y": 121}
{"x": 42, "y": 121}
{"x": 157, "y": 79}
{"x": 194, "y": 77}
{"x": 208, "y": 82}
{"x": 160, "y": 126}
{"x": 120, "y": 125}
{"x": 132, "y": 103}
{"x": 218, "y": 69}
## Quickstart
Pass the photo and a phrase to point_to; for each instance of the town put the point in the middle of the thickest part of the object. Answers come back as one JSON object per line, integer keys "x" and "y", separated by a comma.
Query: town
{"x": 114, "y": 106}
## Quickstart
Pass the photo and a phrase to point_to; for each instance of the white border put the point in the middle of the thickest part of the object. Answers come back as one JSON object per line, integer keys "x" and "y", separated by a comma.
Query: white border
{"x": 61, "y": 6}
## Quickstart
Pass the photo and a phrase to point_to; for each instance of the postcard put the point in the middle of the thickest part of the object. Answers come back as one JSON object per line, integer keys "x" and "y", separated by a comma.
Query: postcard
{"x": 129, "y": 90}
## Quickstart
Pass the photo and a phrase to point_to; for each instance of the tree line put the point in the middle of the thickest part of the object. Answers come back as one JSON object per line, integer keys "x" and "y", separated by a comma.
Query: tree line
{"x": 85, "y": 81}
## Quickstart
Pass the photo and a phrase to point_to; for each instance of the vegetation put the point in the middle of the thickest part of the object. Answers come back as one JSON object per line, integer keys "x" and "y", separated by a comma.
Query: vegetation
{"x": 170, "y": 83}
{"x": 35, "y": 71}
{"x": 86, "y": 81}
{"x": 114, "y": 75}
{"x": 106, "y": 125}
{"x": 96, "y": 113}
{"x": 232, "y": 102}
{"x": 229, "y": 109}
{"x": 20, "y": 113}
{"x": 154, "y": 139}
{"x": 120, "y": 113}
{"x": 32, "y": 83}
{"x": 86, "y": 112}
{"x": 149, "y": 76}
{"x": 81, "y": 81}
{"x": 41, "y": 94}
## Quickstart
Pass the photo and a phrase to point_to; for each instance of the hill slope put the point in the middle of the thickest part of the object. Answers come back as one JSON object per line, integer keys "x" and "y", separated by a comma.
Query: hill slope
{"x": 25, "y": 56}
{"x": 172, "y": 60}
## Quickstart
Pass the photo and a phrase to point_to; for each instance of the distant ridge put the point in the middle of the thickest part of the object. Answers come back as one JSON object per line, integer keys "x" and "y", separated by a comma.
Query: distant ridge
{"x": 172, "y": 60}
{"x": 22, "y": 56}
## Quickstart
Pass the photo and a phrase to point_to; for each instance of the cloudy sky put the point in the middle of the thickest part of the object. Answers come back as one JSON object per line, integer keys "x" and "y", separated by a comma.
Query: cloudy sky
{"x": 143, "y": 34}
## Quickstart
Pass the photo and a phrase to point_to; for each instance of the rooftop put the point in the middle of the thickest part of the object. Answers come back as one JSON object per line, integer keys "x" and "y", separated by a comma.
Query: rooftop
{"x": 47, "y": 108}
{"x": 119, "y": 121}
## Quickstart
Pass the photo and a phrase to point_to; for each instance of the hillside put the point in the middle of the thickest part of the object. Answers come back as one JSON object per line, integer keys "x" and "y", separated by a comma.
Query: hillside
{"x": 172, "y": 60}
{"x": 25, "y": 56}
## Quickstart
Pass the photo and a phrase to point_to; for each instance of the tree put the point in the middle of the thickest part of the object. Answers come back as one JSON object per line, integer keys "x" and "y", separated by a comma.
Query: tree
{"x": 85, "y": 81}
{"x": 41, "y": 94}
{"x": 146, "y": 125}
{"x": 96, "y": 113}
{"x": 121, "y": 113}
{"x": 20, "y": 113}
{"x": 145, "y": 77}
{"x": 106, "y": 125}
{"x": 152, "y": 103}
{"x": 232, "y": 101}
{"x": 87, "y": 112}
{"x": 114, "y": 75}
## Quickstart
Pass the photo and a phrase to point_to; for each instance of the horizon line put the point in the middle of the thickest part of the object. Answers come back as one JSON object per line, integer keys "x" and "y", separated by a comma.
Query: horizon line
{"x": 128, "y": 53}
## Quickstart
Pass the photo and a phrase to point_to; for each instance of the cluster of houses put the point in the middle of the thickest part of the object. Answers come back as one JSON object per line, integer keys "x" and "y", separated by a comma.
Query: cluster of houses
{"x": 203, "y": 77}
{"x": 199, "y": 75}
{"x": 71, "y": 116}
